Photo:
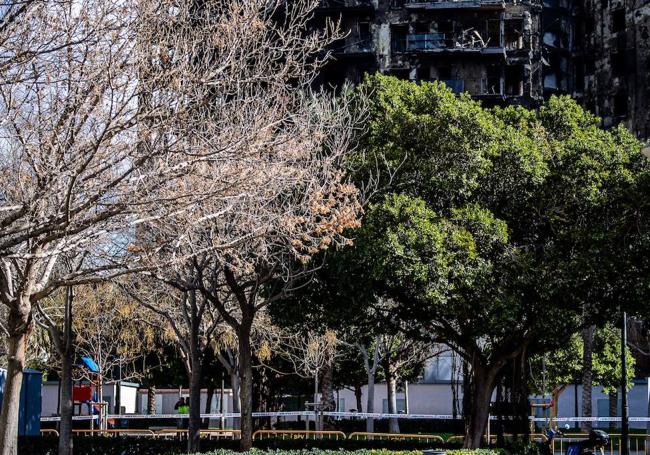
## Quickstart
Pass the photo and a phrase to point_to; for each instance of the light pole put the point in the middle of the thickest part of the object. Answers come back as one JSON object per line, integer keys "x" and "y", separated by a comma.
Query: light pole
{"x": 625, "y": 450}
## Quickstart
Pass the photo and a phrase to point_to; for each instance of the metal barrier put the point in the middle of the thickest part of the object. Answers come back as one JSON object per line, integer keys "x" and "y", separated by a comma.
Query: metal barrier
{"x": 232, "y": 434}
{"x": 456, "y": 438}
{"x": 299, "y": 434}
{"x": 396, "y": 436}
{"x": 639, "y": 443}
{"x": 537, "y": 437}
{"x": 117, "y": 432}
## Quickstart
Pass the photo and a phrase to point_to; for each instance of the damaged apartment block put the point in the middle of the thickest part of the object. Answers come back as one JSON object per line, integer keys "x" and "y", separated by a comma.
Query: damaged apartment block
{"x": 502, "y": 51}
{"x": 617, "y": 62}
{"x": 488, "y": 48}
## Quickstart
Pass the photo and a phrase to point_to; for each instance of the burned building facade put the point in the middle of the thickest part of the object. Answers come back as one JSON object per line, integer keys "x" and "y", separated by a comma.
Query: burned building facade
{"x": 617, "y": 62}
{"x": 488, "y": 48}
{"x": 501, "y": 51}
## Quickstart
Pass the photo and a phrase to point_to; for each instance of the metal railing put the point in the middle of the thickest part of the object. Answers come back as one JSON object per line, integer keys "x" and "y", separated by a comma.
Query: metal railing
{"x": 455, "y": 438}
{"x": 468, "y": 40}
{"x": 118, "y": 432}
{"x": 360, "y": 435}
{"x": 639, "y": 443}
{"x": 298, "y": 434}
{"x": 209, "y": 432}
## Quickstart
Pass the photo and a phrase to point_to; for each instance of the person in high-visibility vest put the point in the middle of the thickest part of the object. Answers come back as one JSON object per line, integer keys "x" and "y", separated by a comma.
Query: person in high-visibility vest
{"x": 184, "y": 408}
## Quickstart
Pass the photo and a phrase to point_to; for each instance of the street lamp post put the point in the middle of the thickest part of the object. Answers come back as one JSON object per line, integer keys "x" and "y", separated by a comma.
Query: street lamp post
{"x": 625, "y": 450}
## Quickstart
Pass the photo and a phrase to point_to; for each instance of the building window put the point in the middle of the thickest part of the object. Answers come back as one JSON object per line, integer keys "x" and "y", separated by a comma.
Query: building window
{"x": 444, "y": 73}
{"x": 493, "y": 33}
{"x": 491, "y": 85}
{"x": 402, "y": 74}
{"x": 550, "y": 81}
{"x": 618, "y": 20}
{"x": 364, "y": 31}
{"x": 514, "y": 34}
{"x": 398, "y": 37}
{"x": 514, "y": 83}
{"x": 401, "y": 405}
{"x": 620, "y": 104}
{"x": 579, "y": 79}
{"x": 424, "y": 73}
{"x": 618, "y": 63}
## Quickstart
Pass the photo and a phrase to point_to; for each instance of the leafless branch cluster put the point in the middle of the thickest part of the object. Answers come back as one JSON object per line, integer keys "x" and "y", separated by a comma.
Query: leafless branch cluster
{"x": 180, "y": 139}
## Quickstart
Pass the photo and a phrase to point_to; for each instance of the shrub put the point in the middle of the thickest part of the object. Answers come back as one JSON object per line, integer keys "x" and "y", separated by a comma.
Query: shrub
{"x": 98, "y": 445}
{"x": 477, "y": 452}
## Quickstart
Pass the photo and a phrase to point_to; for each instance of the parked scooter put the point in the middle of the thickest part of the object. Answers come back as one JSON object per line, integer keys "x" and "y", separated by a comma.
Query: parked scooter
{"x": 594, "y": 445}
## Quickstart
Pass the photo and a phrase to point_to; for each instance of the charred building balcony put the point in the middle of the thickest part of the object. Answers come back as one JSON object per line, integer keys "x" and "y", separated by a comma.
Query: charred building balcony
{"x": 449, "y": 43}
{"x": 353, "y": 48}
{"x": 489, "y": 5}
{"x": 345, "y": 6}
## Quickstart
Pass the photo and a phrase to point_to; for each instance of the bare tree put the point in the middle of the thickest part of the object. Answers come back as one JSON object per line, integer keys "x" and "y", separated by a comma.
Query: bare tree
{"x": 192, "y": 323}
{"x": 284, "y": 194}
{"x": 174, "y": 123}
{"x": 401, "y": 354}
{"x": 107, "y": 107}
{"x": 372, "y": 355}
{"x": 95, "y": 321}
{"x": 310, "y": 354}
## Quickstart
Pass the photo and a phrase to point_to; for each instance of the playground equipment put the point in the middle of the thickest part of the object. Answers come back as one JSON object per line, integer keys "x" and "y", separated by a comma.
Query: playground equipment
{"x": 549, "y": 410}
{"x": 87, "y": 395}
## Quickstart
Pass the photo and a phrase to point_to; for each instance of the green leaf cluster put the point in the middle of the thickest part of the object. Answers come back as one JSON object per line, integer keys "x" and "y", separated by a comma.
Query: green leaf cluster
{"x": 497, "y": 228}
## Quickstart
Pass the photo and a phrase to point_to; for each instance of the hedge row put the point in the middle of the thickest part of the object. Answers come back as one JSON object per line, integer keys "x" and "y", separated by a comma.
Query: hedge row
{"x": 323, "y": 452}
{"x": 99, "y": 445}
{"x": 361, "y": 452}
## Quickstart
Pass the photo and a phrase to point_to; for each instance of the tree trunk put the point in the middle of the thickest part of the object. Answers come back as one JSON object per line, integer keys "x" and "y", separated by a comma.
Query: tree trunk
{"x": 67, "y": 353}
{"x": 208, "y": 405}
{"x": 613, "y": 407}
{"x": 407, "y": 403}
{"x": 327, "y": 399}
{"x": 478, "y": 409}
{"x": 67, "y": 407}
{"x": 391, "y": 394}
{"x": 370, "y": 404}
{"x": 194, "y": 432}
{"x": 647, "y": 425}
{"x": 19, "y": 322}
{"x": 358, "y": 394}
{"x": 246, "y": 390}
{"x": 236, "y": 399}
{"x": 587, "y": 372}
{"x": 151, "y": 400}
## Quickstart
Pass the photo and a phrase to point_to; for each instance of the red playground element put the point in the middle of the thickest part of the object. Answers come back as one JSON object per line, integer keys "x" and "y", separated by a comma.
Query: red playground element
{"x": 82, "y": 393}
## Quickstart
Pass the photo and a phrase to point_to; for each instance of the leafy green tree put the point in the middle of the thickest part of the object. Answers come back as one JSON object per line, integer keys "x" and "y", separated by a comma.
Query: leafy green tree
{"x": 498, "y": 232}
{"x": 553, "y": 371}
